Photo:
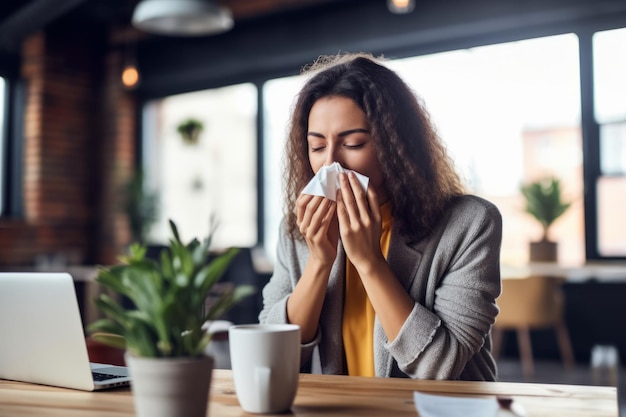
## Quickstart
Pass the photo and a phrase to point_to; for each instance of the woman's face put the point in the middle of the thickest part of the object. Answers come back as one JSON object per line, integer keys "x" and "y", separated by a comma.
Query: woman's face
{"x": 339, "y": 132}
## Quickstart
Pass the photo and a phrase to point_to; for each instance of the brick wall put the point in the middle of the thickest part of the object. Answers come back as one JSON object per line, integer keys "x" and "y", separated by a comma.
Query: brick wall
{"x": 79, "y": 150}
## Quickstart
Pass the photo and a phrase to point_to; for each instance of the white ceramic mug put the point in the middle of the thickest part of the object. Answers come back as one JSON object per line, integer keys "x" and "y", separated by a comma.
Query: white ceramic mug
{"x": 265, "y": 359}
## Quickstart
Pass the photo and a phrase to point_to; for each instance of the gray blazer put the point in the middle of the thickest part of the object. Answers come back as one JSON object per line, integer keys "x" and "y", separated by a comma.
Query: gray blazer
{"x": 454, "y": 277}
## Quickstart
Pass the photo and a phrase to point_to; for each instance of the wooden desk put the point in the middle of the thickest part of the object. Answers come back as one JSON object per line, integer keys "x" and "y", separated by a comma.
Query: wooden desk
{"x": 320, "y": 395}
{"x": 609, "y": 272}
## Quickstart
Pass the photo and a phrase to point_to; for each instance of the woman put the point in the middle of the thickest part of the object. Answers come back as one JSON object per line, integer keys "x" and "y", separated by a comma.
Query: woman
{"x": 396, "y": 280}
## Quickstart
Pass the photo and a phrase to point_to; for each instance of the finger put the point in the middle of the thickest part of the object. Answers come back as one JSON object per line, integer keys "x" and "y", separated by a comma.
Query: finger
{"x": 332, "y": 209}
{"x": 303, "y": 200}
{"x": 347, "y": 197}
{"x": 327, "y": 215}
{"x": 306, "y": 210}
{"x": 342, "y": 214}
{"x": 360, "y": 197}
{"x": 301, "y": 203}
{"x": 374, "y": 205}
{"x": 321, "y": 221}
{"x": 322, "y": 213}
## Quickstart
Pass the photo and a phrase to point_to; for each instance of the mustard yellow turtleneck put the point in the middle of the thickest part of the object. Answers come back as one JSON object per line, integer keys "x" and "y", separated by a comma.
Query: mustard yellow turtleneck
{"x": 358, "y": 313}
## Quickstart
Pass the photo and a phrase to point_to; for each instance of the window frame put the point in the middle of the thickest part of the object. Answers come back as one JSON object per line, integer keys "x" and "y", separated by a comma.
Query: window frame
{"x": 11, "y": 136}
{"x": 592, "y": 164}
{"x": 4, "y": 171}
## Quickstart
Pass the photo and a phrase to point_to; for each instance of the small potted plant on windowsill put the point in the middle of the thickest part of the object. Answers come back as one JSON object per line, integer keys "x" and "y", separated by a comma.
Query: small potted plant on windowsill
{"x": 162, "y": 332}
{"x": 190, "y": 130}
{"x": 544, "y": 202}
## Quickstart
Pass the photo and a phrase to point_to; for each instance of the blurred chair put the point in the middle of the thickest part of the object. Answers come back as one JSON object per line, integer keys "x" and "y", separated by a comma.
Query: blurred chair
{"x": 530, "y": 303}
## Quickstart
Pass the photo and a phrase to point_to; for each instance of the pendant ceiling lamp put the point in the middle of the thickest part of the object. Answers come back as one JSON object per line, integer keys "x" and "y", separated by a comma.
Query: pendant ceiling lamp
{"x": 182, "y": 17}
{"x": 401, "y": 6}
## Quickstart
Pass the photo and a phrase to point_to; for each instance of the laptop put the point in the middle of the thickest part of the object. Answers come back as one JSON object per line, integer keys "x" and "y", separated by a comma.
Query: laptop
{"x": 41, "y": 335}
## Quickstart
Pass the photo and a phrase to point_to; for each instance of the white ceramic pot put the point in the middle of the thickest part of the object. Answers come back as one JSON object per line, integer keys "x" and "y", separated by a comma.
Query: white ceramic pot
{"x": 170, "y": 387}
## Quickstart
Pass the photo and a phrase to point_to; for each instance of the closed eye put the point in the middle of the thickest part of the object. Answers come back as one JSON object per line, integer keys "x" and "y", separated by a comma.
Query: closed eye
{"x": 360, "y": 145}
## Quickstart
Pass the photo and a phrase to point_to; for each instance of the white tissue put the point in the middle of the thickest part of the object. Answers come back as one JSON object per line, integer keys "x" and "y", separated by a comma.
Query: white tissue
{"x": 432, "y": 405}
{"x": 326, "y": 181}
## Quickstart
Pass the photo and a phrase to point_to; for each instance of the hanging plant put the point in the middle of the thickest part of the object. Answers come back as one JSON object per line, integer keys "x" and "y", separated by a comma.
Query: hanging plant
{"x": 190, "y": 130}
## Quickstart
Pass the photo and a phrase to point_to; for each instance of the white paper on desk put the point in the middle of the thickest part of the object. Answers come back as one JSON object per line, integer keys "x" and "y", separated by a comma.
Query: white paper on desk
{"x": 429, "y": 405}
{"x": 326, "y": 181}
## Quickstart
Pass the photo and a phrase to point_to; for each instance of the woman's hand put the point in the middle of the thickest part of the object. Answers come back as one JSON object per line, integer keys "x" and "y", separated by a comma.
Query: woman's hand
{"x": 317, "y": 221}
{"x": 360, "y": 226}
{"x": 359, "y": 222}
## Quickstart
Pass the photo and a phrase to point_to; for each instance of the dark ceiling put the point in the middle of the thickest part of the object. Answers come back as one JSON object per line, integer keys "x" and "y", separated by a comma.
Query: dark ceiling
{"x": 18, "y": 18}
{"x": 273, "y": 38}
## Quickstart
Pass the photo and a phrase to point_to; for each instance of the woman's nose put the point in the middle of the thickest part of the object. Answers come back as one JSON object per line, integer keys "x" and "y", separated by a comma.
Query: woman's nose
{"x": 332, "y": 156}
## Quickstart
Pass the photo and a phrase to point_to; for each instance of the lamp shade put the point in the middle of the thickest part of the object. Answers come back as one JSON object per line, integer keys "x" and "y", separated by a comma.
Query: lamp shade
{"x": 401, "y": 6}
{"x": 182, "y": 17}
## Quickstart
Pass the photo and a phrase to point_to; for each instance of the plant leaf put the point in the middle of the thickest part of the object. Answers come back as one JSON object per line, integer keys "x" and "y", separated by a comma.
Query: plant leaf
{"x": 227, "y": 300}
{"x": 544, "y": 202}
{"x": 174, "y": 231}
{"x": 113, "y": 340}
{"x": 168, "y": 298}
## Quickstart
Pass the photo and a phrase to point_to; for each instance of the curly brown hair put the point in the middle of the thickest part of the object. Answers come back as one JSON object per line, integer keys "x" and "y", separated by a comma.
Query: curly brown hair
{"x": 418, "y": 174}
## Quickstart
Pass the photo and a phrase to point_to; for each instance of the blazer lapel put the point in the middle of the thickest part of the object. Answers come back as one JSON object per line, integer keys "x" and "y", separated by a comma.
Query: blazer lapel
{"x": 404, "y": 259}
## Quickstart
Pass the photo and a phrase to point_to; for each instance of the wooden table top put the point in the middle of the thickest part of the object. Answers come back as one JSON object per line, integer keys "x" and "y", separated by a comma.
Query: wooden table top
{"x": 609, "y": 272}
{"x": 320, "y": 395}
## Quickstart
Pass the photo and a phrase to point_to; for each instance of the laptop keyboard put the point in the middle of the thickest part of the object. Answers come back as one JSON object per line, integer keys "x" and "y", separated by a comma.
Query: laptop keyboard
{"x": 99, "y": 376}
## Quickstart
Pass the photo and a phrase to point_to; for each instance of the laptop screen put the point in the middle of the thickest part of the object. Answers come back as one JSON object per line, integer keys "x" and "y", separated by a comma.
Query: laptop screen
{"x": 42, "y": 337}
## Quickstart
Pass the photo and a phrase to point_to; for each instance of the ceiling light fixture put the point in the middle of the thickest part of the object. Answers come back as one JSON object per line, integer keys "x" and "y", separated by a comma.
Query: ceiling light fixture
{"x": 130, "y": 76}
{"x": 182, "y": 17}
{"x": 401, "y": 6}
{"x": 130, "y": 72}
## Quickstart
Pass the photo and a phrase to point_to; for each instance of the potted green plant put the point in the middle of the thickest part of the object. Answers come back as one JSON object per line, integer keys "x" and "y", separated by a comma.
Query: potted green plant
{"x": 162, "y": 331}
{"x": 544, "y": 202}
{"x": 190, "y": 130}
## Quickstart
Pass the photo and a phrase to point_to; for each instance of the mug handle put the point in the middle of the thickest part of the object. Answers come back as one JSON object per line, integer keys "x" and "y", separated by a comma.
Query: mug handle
{"x": 262, "y": 375}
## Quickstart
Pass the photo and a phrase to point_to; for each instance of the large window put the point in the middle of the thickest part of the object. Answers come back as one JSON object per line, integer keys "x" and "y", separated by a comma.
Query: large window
{"x": 509, "y": 114}
{"x": 610, "y": 113}
{"x": 214, "y": 176}
{"x": 278, "y": 98}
